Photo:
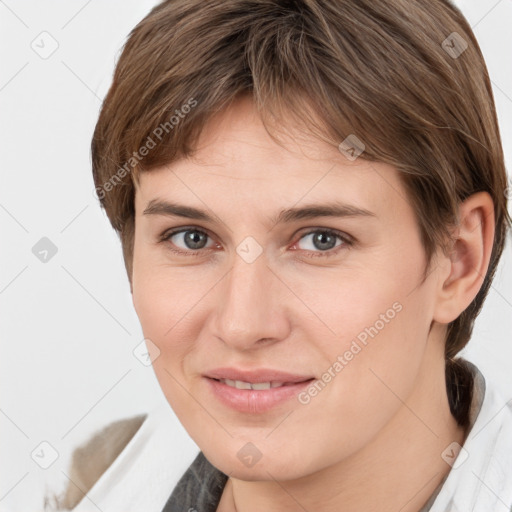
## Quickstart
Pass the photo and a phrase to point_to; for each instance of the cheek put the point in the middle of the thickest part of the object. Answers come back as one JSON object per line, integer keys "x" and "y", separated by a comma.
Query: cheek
{"x": 164, "y": 315}
{"x": 169, "y": 305}
{"x": 364, "y": 383}
{"x": 162, "y": 311}
{"x": 162, "y": 297}
{"x": 149, "y": 302}
{"x": 381, "y": 320}
{"x": 363, "y": 304}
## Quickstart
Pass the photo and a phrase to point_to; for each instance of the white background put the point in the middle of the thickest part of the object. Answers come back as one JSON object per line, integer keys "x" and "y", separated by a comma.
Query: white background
{"x": 68, "y": 327}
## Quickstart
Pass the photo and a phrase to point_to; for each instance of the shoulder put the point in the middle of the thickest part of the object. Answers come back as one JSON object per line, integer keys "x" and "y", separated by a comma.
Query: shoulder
{"x": 93, "y": 457}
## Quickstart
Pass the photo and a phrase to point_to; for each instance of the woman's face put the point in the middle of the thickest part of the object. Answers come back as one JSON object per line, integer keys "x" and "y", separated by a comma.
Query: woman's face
{"x": 334, "y": 298}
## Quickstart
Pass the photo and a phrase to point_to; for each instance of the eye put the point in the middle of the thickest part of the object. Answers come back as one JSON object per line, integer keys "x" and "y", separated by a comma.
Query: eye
{"x": 323, "y": 241}
{"x": 189, "y": 241}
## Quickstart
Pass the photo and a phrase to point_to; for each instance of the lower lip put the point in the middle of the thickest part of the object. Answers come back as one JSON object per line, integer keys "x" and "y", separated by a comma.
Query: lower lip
{"x": 254, "y": 400}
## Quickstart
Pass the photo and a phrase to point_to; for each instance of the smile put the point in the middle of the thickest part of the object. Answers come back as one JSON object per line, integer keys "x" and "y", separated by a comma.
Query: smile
{"x": 239, "y": 384}
{"x": 254, "y": 397}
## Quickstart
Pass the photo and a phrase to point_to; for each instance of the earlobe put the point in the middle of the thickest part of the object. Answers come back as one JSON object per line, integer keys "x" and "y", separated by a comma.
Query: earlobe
{"x": 469, "y": 258}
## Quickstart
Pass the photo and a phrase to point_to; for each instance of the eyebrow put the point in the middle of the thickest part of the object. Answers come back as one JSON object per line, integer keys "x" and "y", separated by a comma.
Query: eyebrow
{"x": 310, "y": 211}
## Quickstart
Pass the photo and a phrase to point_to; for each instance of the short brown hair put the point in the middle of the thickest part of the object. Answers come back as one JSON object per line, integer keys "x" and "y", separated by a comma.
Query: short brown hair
{"x": 406, "y": 77}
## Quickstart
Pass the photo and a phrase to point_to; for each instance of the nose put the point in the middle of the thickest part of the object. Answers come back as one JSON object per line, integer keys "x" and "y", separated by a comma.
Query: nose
{"x": 251, "y": 307}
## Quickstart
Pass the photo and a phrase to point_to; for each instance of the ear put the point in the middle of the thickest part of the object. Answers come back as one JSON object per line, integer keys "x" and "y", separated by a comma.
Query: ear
{"x": 468, "y": 261}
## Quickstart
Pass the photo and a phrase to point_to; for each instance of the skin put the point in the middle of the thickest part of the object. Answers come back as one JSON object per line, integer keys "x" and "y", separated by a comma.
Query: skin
{"x": 383, "y": 421}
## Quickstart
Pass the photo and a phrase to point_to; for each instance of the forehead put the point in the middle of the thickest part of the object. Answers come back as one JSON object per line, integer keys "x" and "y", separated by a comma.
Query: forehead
{"x": 237, "y": 162}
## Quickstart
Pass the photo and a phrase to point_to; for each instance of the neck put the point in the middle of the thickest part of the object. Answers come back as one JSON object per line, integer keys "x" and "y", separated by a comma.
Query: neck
{"x": 404, "y": 457}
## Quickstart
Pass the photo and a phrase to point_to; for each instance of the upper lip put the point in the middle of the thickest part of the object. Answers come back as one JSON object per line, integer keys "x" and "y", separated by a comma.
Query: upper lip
{"x": 256, "y": 375}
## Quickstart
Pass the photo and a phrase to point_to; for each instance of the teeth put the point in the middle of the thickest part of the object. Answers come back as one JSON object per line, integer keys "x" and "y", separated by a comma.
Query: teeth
{"x": 238, "y": 384}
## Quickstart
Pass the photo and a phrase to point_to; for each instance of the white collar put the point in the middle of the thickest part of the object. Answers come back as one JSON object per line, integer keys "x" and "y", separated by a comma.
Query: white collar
{"x": 481, "y": 476}
{"x": 145, "y": 473}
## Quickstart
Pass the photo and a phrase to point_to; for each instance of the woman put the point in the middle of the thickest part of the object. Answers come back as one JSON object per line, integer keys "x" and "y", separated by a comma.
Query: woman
{"x": 311, "y": 200}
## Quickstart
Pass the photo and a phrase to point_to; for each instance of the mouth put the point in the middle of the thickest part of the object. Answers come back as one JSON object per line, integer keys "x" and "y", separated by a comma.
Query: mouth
{"x": 240, "y": 384}
{"x": 256, "y": 376}
{"x": 251, "y": 397}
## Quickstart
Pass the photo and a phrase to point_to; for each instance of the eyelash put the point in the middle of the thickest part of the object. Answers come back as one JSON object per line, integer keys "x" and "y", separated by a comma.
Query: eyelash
{"x": 347, "y": 242}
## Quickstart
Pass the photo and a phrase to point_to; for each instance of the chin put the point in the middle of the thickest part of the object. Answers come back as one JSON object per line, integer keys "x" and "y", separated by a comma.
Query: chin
{"x": 276, "y": 466}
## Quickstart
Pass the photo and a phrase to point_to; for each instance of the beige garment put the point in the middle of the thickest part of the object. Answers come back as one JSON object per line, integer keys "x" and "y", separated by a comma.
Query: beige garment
{"x": 91, "y": 459}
